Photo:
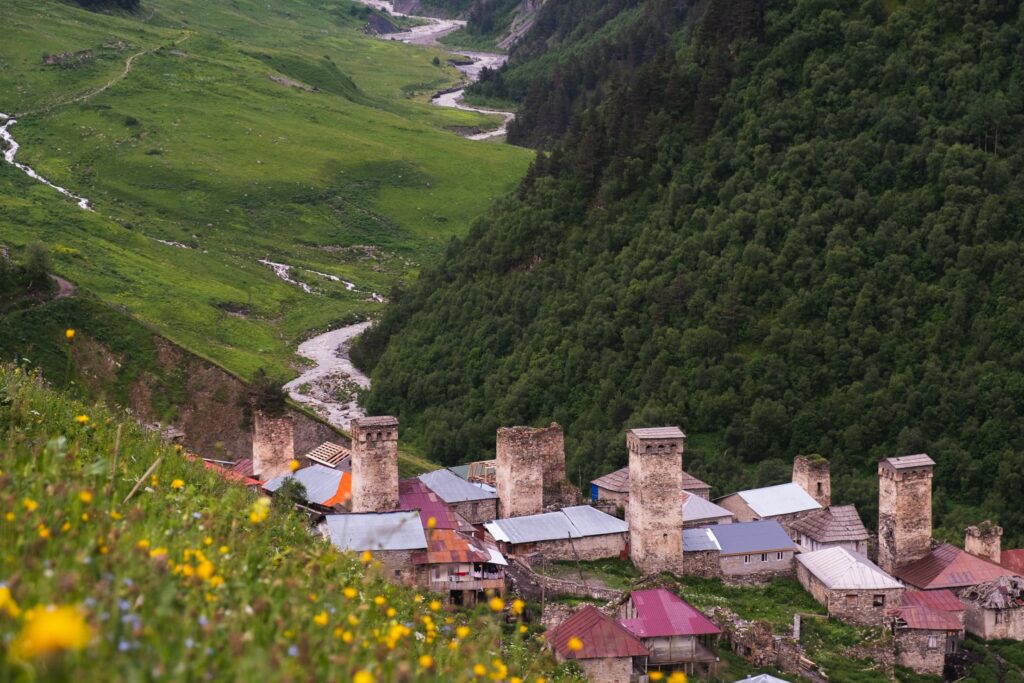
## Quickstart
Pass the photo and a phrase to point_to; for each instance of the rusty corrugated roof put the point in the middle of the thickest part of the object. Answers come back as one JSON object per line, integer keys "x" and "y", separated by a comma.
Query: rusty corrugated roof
{"x": 243, "y": 466}
{"x": 413, "y": 494}
{"x": 601, "y": 636}
{"x": 949, "y": 567}
{"x": 447, "y": 546}
{"x": 942, "y": 599}
{"x": 1013, "y": 560}
{"x": 928, "y": 619}
{"x": 661, "y": 613}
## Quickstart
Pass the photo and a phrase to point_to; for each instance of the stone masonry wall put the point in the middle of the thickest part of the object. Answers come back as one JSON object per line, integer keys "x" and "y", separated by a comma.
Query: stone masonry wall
{"x": 703, "y": 563}
{"x": 990, "y": 624}
{"x": 589, "y": 548}
{"x": 860, "y": 609}
{"x": 655, "y": 514}
{"x": 477, "y": 511}
{"x": 904, "y": 516}
{"x": 734, "y": 569}
{"x": 913, "y": 652}
{"x": 607, "y": 670}
{"x": 812, "y": 474}
{"x": 519, "y": 470}
{"x": 984, "y": 540}
{"x": 374, "y": 464}
{"x": 273, "y": 445}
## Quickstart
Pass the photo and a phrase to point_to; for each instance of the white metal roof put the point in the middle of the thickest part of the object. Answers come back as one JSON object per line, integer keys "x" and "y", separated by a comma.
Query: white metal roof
{"x": 451, "y": 488}
{"x": 377, "y": 531}
{"x": 573, "y": 522}
{"x": 699, "y": 539}
{"x": 697, "y": 509}
{"x": 321, "y": 482}
{"x": 839, "y": 568}
{"x": 782, "y": 499}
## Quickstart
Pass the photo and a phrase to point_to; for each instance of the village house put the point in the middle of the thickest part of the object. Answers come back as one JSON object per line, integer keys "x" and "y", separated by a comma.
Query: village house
{"x": 391, "y": 537}
{"x": 464, "y": 568}
{"x": 848, "y": 585}
{"x": 699, "y": 511}
{"x": 326, "y": 489}
{"x": 927, "y": 627}
{"x": 702, "y": 556}
{"x": 837, "y": 526}
{"x": 475, "y": 503}
{"x": 677, "y": 636}
{"x": 613, "y": 488}
{"x": 573, "y": 533}
{"x": 784, "y": 503}
{"x": 605, "y": 650}
{"x": 995, "y": 609}
{"x": 750, "y": 551}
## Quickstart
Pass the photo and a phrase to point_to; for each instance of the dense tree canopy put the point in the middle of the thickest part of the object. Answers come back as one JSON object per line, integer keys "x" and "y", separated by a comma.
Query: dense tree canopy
{"x": 792, "y": 228}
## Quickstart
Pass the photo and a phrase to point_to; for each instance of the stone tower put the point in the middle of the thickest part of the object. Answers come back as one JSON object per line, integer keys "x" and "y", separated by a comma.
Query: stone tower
{"x": 273, "y": 445}
{"x": 811, "y": 473}
{"x": 374, "y": 464}
{"x": 522, "y": 455}
{"x": 985, "y": 541}
{"x": 904, "y": 510}
{"x": 655, "y": 513}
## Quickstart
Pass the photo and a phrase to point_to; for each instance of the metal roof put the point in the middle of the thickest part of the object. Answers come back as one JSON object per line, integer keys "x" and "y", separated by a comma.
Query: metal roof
{"x": 907, "y": 461}
{"x": 549, "y": 526}
{"x": 928, "y": 619}
{"x": 942, "y": 599}
{"x": 452, "y": 489}
{"x": 662, "y": 613}
{"x": 658, "y": 433}
{"x": 697, "y": 509}
{"x": 322, "y": 484}
{"x": 447, "y": 546}
{"x": 619, "y": 481}
{"x": 839, "y": 568}
{"x": 461, "y": 471}
{"x": 744, "y": 538}
{"x": 413, "y": 494}
{"x": 1013, "y": 560}
{"x": 327, "y": 453}
{"x": 601, "y": 636}
{"x": 762, "y": 678}
{"x": 377, "y": 531}
{"x": 783, "y": 499}
{"x": 832, "y": 525}
{"x": 698, "y": 539}
{"x": 949, "y": 567}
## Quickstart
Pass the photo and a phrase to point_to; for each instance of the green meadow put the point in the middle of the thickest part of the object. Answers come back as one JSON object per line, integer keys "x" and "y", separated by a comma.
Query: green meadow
{"x": 243, "y": 131}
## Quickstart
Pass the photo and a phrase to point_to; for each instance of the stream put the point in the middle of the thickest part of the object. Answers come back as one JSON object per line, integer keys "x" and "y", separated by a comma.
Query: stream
{"x": 11, "y": 149}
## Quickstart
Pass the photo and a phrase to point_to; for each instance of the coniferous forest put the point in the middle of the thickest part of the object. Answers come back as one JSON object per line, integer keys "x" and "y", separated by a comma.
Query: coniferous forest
{"x": 788, "y": 226}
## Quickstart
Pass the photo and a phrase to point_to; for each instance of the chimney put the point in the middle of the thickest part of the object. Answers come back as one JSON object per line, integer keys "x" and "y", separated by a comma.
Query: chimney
{"x": 523, "y": 456}
{"x": 655, "y": 513}
{"x": 273, "y": 445}
{"x": 811, "y": 473}
{"x": 374, "y": 464}
{"x": 904, "y": 510}
{"x": 985, "y": 541}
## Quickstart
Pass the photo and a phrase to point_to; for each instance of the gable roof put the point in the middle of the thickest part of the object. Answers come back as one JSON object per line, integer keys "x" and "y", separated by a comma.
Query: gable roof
{"x": 448, "y": 546}
{"x": 839, "y": 568}
{"x": 618, "y": 481}
{"x": 662, "y": 613}
{"x": 453, "y": 489}
{"x": 761, "y": 678}
{"x": 782, "y": 499}
{"x": 905, "y": 462}
{"x": 377, "y": 531}
{"x": 413, "y": 494}
{"x": 697, "y": 509}
{"x": 1013, "y": 560}
{"x": 928, "y": 619}
{"x": 834, "y": 524}
{"x": 943, "y": 599}
{"x": 743, "y": 538}
{"x": 699, "y": 539}
{"x": 949, "y": 567}
{"x": 658, "y": 433}
{"x": 601, "y": 637}
{"x": 324, "y": 486}
{"x": 572, "y": 522}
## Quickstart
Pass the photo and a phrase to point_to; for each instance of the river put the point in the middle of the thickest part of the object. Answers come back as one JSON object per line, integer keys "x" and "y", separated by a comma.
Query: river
{"x": 11, "y": 149}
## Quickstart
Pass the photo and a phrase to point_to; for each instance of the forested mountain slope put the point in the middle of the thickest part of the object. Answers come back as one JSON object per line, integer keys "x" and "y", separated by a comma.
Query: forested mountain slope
{"x": 794, "y": 228}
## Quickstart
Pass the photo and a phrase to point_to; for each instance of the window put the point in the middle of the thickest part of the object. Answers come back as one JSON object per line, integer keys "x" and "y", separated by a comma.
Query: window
{"x": 851, "y": 600}
{"x": 933, "y": 642}
{"x": 764, "y": 557}
{"x": 821, "y": 488}
{"x": 746, "y": 559}
{"x": 878, "y": 601}
{"x": 779, "y": 556}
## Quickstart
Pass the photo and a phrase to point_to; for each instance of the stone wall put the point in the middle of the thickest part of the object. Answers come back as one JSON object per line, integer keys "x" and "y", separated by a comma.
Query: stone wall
{"x": 703, "y": 563}
{"x": 607, "y": 670}
{"x": 519, "y": 468}
{"x": 374, "y": 464}
{"x": 735, "y": 569}
{"x": 904, "y": 515}
{"x": 655, "y": 513}
{"x": 860, "y": 609}
{"x": 812, "y": 474}
{"x": 913, "y": 651}
{"x": 738, "y": 507}
{"x": 984, "y": 540}
{"x": 534, "y": 586}
{"x": 589, "y": 548}
{"x": 477, "y": 511}
{"x": 993, "y": 624}
{"x": 398, "y": 567}
{"x": 273, "y": 445}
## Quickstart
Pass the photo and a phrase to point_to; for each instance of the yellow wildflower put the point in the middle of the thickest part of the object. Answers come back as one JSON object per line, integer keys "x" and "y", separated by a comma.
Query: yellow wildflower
{"x": 523, "y": 628}
{"x": 462, "y": 632}
{"x": 85, "y": 496}
{"x": 518, "y": 606}
{"x": 115, "y": 515}
{"x": 51, "y": 630}
{"x": 205, "y": 570}
{"x": 259, "y": 510}
{"x": 379, "y": 600}
{"x": 69, "y": 333}
{"x": 574, "y": 644}
{"x": 363, "y": 676}
{"x": 9, "y": 516}
{"x": 82, "y": 419}
{"x": 85, "y": 516}
{"x": 157, "y": 553}
{"x": 216, "y": 581}
{"x": 178, "y": 484}
{"x": 391, "y": 612}
{"x": 66, "y": 526}
{"x": 656, "y": 675}
{"x": 142, "y": 544}
{"x": 435, "y": 605}
{"x": 431, "y": 523}
{"x": 43, "y": 531}
{"x": 496, "y": 604}
{"x": 153, "y": 481}
{"x": 29, "y": 504}
{"x": 293, "y": 465}
{"x": 426, "y": 661}
{"x": 479, "y": 670}
{"x": 349, "y": 592}
{"x": 207, "y": 541}
{"x": 346, "y": 637}
{"x": 312, "y": 597}
{"x": 7, "y": 603}
{"x": 366, "y": 557}
{"x": 223, "y": 550}
{"x": 677, "y": 677}
{"x": 320, "y": 619}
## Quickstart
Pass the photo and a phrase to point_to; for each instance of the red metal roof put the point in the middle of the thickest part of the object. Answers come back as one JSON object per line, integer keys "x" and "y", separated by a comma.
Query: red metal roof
{"x": 600, "y": 635}
{"x": 413, "y": 494}
{"x": 1013, "y": 560}
{"x": 243, "y": 467}
{"x": 662, "y": 613}
{"x": 943, "y": 600}
{"x": 447, "y": 546}
{"x": 928, "y": 619}
{"x": 949, "y": 567}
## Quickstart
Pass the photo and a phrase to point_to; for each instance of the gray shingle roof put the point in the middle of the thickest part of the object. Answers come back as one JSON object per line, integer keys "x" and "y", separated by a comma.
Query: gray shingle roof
{"x": 377, "y": 421}
{"x": 834, "y": 524}
{"x": 450, "y": 488}
{"x": 841, "y": 569}
{"x": 377, "y": 531}
{"x": 751, "y": 537}
{"x": 574, "y": 522}
{"x": 321, "y": 482}
{"x": 619, "y": 481}
{"x": 908, "y": 461}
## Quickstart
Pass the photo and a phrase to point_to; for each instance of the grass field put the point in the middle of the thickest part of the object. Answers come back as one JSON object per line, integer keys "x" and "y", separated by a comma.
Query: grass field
{"x": 243, "y": 131}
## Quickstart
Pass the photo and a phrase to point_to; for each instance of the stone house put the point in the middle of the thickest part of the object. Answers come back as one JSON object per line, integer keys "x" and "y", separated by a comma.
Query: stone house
{"x": 837, "y": 526}
{"x": 702, "y": 556}
{"x": 995, "y": 609}
{"x": 327, "y": 489}
{"x": 464, "y": 568}
{"x": 784, "y": 503}
{"x": 752, "y": 551}
{"x": 609, "y": 652}
{"x": 925, "y": 637}
{"x": 578, "y": 532}
{"x": 699, "y": 511}
{"x": 675, "y": 633}
{"x": 391, "y": 537}
{"x": 613, "y": 488}
{"x": 851, "y": 587}
{"x": 475, "y": 503}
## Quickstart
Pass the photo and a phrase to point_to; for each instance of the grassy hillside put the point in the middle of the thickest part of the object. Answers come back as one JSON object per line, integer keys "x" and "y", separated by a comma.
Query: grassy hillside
{"x": 242, "y": 131}
{"x": 189, "y": 577}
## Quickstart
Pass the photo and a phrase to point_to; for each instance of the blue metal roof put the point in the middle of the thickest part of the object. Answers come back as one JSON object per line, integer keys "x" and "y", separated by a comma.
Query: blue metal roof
{"x": 751, "y": 537}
